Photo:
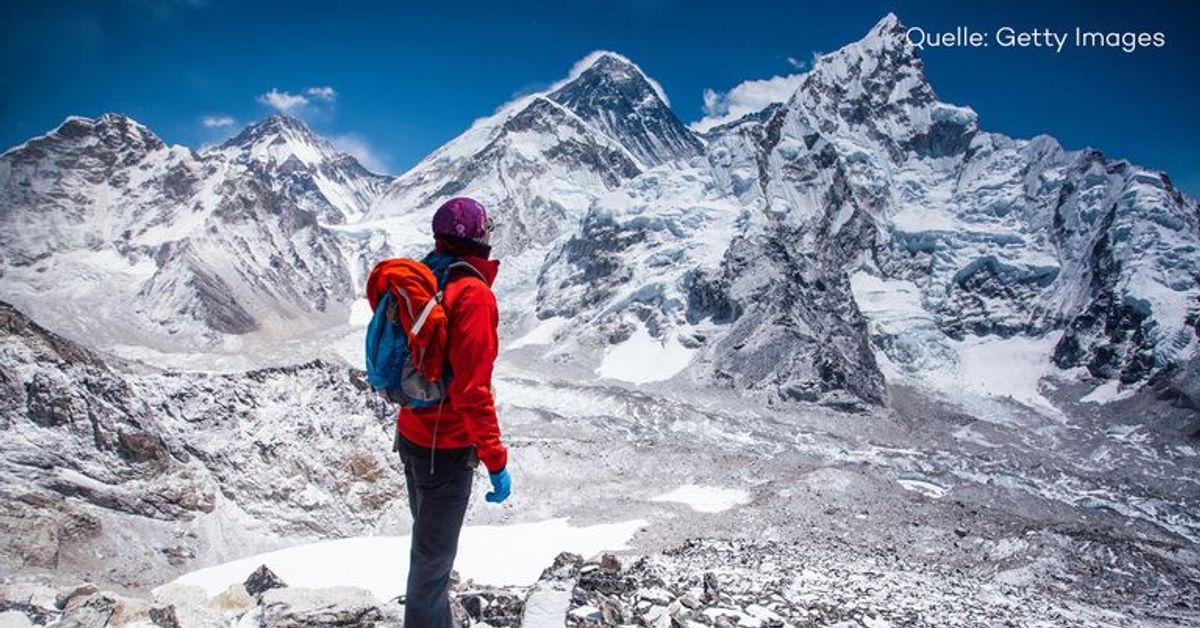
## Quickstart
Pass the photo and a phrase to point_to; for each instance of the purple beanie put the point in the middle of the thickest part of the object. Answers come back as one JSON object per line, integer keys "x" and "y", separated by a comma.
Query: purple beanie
{"x": 461, "y": 217}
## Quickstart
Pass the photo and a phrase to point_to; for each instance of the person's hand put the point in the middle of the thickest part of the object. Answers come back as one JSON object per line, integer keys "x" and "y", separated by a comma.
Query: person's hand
{"x": 501, "y": 487}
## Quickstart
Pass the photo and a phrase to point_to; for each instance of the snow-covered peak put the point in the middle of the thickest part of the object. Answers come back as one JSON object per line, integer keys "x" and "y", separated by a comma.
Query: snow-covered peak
{"x": 616, "y": 67}
{"x": 884, "y": 67}
{"x": 611, "y": 94}
{"x": 881, "y": 68}
{"x": 887, "y": 36}
{"x": 278, "y": 139}
{"x": 305, "y": 166}
{"x": 887, "y": 26}
{"x": 111, "y": 131}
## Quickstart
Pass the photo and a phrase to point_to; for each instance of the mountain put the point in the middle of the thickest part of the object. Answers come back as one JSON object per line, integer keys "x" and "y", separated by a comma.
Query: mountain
{"x": 110, "y": 235}
{"x": 998, "y": 236}
{"x": 692, "y": 317}
{"x": 859, "y": 233}
{"x": 612, "y": 94}
{"x": 541, "y": 160}
{"x": 295, "y": 162}
{"x": 864, "y": 192}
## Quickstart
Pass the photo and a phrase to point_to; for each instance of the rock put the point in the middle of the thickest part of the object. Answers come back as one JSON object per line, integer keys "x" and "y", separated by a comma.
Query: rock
{"x": 198, "y": 616}
{"x": 611, "y": 611}
{"x": 678, "y": 612}
{"x": 81, "y": 591}
{"x": 37, "y": 595}
{"x": 474, "y": 605}
{"x": 690, "y": 600}
{"x": 609, "y": 563}
{"x": 177, "y": 555}
{"x": 164, "y": 616}
{"x": 297, "y": 607}
{"x": 565, "y": 567}
{"x": 767, "y": 616}
{"x": 88, "y": 611}
{"x": 547, "y": 604}
{"x": 599, "y": 580}
{"x": 459, "y": 616}
{"x": 494, "y": 607}
{"x": 236, "y": 599}
{"x": 585, "y": 613}
{"x": 180, "y": 595}
{"x": 505, "y": 610}
{"x": 263, "y": 579}
{"x": 712, "y": 589}
{"x": 27, "y": 602}
{"x": 128, "y": 610}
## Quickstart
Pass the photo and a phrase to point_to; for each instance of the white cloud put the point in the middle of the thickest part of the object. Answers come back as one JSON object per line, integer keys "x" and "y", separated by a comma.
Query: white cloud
{"x": 357, "y": 147}
{"x": 214, "y": 122}
{"x": 287, "y": 102}
{"x": 746, "y": 98}
{"x": 284, "y": 102}
{"x": 325, "y": 93}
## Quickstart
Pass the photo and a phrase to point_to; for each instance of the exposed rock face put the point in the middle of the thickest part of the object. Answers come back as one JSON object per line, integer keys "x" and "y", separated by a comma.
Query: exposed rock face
{"x": 92, "y": 453}
{"x": 613, "y": 95}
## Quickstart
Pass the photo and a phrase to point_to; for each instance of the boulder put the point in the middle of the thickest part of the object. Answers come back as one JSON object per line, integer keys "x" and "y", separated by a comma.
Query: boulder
{"x": 298, "y": 607}
{"x": 263, "y": 579}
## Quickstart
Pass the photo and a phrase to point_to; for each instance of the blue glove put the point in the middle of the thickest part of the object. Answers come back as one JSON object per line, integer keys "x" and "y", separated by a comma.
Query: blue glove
{"x": 501, "y": 487}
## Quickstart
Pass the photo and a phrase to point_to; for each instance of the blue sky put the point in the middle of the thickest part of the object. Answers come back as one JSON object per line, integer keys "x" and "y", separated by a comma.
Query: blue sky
{"x": 405, "y": 78}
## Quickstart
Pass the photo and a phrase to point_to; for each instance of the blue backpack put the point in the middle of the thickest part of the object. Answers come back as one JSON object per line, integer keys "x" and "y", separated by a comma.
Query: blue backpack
{"x": 391, "y": 367}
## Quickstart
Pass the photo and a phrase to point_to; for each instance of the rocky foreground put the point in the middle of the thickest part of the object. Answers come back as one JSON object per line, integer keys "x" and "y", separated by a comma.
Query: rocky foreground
{"x": 704, "y": 582}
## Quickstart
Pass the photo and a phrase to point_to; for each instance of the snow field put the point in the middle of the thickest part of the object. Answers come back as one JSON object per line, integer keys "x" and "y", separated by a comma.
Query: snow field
{"x": 496, "y": 555}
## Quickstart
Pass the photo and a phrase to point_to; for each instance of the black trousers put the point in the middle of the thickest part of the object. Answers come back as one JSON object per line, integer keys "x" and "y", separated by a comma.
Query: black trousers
{"x": 438, "y": 495}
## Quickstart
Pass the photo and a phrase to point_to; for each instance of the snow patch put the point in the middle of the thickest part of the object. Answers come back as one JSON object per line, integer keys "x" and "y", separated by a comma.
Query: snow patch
{"x": 642, "y": 359}
{"x": 1108, "y": 392}
{"x": 705, "y": 498}
{"x": 924, "y": 487}
{"x": 909, "y": 345}
{"x": 542, "y": 334}
{"x": 360, "y": 313}
{"x": 1007, "y": 367}
{"x": 497, "y": 555}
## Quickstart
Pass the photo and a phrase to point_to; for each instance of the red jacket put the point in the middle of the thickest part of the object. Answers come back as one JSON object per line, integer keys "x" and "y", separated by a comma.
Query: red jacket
{"x": 468, "y": 416}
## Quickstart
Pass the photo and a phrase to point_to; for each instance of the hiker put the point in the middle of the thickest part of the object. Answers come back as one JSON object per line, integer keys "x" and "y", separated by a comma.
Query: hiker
{"x": 442, "y": 445}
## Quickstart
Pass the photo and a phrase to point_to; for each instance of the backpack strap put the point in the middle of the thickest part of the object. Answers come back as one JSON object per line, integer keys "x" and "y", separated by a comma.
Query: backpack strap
{"x": 403, "y": 294}
{"x": 420, "y": 322}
